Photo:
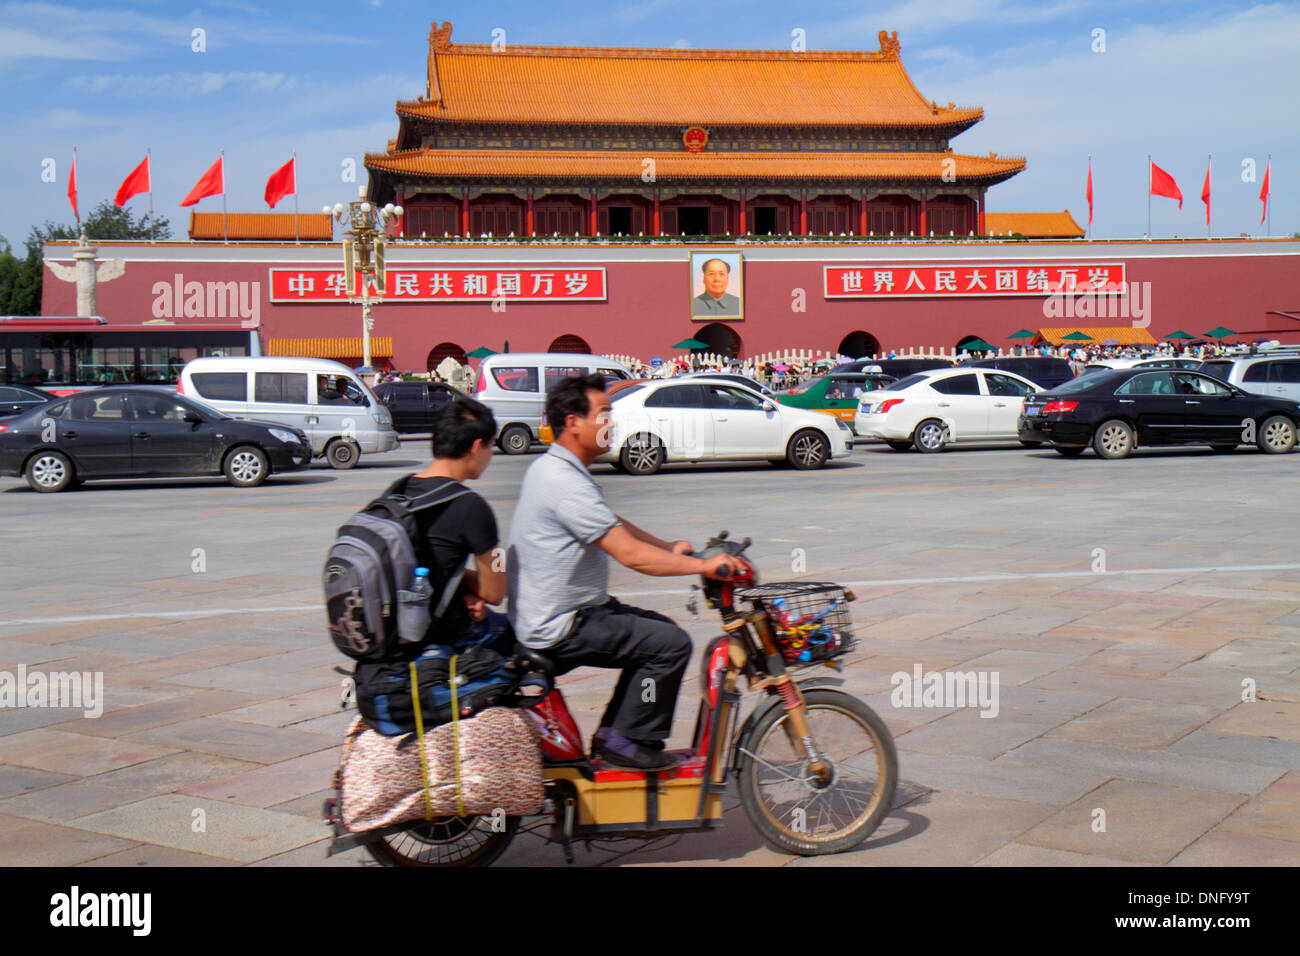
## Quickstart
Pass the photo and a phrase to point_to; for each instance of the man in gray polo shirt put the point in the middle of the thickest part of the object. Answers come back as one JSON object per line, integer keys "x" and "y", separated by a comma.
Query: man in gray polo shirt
{"x": 561, "y": 538}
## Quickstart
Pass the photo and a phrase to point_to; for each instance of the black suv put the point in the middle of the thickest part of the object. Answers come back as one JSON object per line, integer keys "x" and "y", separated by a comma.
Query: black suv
{"x": 414, "y": 405}
{"x": 1044, "y": 372}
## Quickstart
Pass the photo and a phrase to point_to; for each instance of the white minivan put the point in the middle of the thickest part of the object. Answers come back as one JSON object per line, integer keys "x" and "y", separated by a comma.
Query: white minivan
{"x": 338, "y": 412}
{"x": 514, "y": 386}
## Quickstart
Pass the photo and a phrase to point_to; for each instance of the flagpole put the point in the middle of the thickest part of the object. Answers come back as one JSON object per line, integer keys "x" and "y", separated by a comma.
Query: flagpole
{"x": 1090, "y": 197}
{"x": 146, "y": 156}
{"x": 1268, "y": 207}
{"x": 1148, "y": 197}
{"x": 1209, "y": 231}
{"x": 225, "y": 232}
{"x": 76, "y": 208}
{"x": 295, "y": 197}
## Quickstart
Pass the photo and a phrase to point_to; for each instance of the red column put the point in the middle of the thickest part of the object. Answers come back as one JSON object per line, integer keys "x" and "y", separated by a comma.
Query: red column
{"x": 528, "y": 213}
{"x": 595, "y": 221}
{"x": 862, "y": 215}
{"x": 741, "y": 229}
{"x": 979, "y": 229}
{"x": 464, "y": 214}
{"x": 655, "y": 228}
{"x": 803, "y": 212}
{"x": 924, "y": 231}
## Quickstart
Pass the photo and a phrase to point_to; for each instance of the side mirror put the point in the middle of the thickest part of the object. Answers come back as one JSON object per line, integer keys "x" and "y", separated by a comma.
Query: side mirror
{"x": 194, "y": 418}
{"x": 768, "y": 407}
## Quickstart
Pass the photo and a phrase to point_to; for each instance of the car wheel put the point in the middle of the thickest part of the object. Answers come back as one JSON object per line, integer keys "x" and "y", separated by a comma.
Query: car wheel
{"x": 642, "y": 454}
{"x": 1030, "y": 444}
{"x": 1070, "y": 451}
{"x": 808, "y": 449}
{"x": 246, "y": 467}
{"x": 1276, "y": 436}
{"x": 342, "y": 453}
{"x": 515, "y": 440}
{"x": 1113, "y": 439}
{"x": 899, "y": 445}
{"x": 1224, "y": 447}
{"x": 49, "y": 471}
{"x": 930, "y": 436}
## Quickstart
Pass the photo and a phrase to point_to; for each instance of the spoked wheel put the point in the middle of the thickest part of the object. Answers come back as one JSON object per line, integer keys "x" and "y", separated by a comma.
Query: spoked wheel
{"x": 793, "y": 810}
{"x": 445, "y": 841}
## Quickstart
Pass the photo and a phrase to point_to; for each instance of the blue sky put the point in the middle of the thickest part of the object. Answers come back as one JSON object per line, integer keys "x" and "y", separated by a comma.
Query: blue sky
{"x": 1179, "y": 80}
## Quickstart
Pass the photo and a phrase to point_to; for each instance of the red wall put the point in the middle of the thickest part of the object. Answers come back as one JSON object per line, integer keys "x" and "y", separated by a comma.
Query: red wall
{"x": 648, "y": 304}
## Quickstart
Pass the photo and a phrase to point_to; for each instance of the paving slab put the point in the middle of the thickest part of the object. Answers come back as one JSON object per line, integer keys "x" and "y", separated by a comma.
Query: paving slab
{"x": 1018, "y": 854}
{"x": 235, "y": 739}
{"x": 1261, "y": 719}
{"x": 286, "y": 711}
{"x": 61, "y": 752}
{"x": 1262, "y": 751}
{"x": 944, "y": 771}
{"x": 229, "y": 831}
{"x": 15, "y": 781}
{"x": 1134, "y": 724}
{"x": 967, "y": 733}
{"x": 275, "y": 783}
{"x": 33, "y": 843}
{"x": 146, "y": 854}
{"x": 1228, "y": 849}
{"x": 186, "y": 705}
{"x": 1274, "y": 813}
{"x": 1144, "y": 822}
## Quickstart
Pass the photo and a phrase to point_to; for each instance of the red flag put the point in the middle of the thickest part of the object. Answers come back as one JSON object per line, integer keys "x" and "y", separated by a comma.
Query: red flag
{"x": 283, "y": 182}
{"x": 1162, "y": 184}
{"x": 1205, "y": 192}
{"x": 72, "y": 188}
{"x": 1263, "y": 193}
{"x": 1088, "y": 192}
{"x": 211, "y": 183}
{"x": 134, "y": 184}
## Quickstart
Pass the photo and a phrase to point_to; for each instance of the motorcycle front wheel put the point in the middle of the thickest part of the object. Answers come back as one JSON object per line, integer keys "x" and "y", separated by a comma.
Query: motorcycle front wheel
{"x": 445, "y": 841}
{"x": 793, "y": 810}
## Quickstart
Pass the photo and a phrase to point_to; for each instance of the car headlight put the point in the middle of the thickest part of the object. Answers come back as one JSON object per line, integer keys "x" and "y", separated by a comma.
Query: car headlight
{"x": 289, "y": 438}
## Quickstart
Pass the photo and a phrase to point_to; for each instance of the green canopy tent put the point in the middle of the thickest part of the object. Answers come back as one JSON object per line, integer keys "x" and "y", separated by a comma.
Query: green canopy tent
{"x": 1219, "y": 333}
{"x": 977, "y": 345}
{"x": 1023, "y": 334}
{"x": 1077, "y": 337}
{"x": 480, "y": 353}
{"x": 692, "y": 344}
{"x": 1180, "y": 334}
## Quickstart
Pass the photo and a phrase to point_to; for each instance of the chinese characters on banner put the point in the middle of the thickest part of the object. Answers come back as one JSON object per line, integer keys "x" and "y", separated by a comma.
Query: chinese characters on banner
{"x": 446, "y": 285}
{"x": 961, "y": 280}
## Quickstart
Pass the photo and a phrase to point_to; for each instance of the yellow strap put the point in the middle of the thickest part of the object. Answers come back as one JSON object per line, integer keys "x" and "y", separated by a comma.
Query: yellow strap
{"x": 419, "y": 733}
{"x": 455, "y": 734}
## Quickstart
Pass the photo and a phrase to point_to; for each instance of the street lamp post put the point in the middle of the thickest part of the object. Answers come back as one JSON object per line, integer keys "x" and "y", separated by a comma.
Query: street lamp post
{"x": 363, "y": 252}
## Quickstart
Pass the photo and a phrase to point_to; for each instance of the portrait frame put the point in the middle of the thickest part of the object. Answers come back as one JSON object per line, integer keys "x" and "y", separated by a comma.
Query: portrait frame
{"x": 701, "y": 310}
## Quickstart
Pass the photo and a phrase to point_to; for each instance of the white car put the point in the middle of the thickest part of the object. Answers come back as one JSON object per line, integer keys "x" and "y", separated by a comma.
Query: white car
{"x": 1146, "y": 361}
{"x": 699, "y": 419}
{"x": 933, "y": 409}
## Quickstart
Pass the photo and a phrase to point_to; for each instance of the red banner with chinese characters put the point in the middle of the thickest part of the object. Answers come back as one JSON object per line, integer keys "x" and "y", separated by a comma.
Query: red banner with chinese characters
{"x": 446, "y": 285}
{"x": 899, "y": 280}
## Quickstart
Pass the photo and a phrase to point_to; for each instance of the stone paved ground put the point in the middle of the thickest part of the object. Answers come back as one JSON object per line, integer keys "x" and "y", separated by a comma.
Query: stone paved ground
{"x": 1120, "y": 692}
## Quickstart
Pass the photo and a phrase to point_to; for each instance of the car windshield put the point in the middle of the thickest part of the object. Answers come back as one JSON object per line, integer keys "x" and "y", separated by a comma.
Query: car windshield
{"x": 625, "y": 392}
{"x": 906, "y": 382}
{"x": 1083, "y": 382}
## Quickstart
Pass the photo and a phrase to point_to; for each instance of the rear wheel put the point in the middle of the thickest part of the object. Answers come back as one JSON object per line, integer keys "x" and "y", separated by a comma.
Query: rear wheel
{"x": 246, "y": 466}
{"x": 794, "y": 811}
{"x": 807, "y": 450}
{"x": 515, "y": 440}
{"x": 899, "y": 445}
{"x": 1070, "y": 451}
{"x": 1113, "y": 439}
{"x": 642, "y": 454}
{"x": 930, "y": 436}
{"x": 342, "y": 453}
{"x": 1276, "y": 436}
{"x": 445, "y": 841}
{"x": 49, "y": 471}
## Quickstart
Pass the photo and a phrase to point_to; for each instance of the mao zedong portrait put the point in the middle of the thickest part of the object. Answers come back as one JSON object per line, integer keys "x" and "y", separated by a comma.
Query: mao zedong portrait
{"x": 715, "y": 299}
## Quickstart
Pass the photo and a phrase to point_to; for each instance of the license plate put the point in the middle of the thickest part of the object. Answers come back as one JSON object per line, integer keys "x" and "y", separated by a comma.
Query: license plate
{"x": 1031, "y": 410}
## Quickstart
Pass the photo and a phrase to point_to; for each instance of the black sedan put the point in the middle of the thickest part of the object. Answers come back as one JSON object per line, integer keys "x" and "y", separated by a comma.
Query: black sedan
{"x": 415, "y": 405}
{"x": 1116, "y": 411}
{"x": 16, "y": 399}
{"x": 142, "y": 432}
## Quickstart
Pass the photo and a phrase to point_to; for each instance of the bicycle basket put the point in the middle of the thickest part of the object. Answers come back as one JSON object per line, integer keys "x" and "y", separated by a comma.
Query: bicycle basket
{"x": 810, "y": 621}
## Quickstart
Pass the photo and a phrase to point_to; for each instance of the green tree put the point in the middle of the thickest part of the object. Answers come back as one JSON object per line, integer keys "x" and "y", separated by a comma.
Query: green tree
{"x": 20, "y": 279}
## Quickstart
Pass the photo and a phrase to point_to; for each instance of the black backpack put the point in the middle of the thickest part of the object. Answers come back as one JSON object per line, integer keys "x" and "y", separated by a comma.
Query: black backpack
{"x": 372, "y": 614}
{"x": 483, "y": 679}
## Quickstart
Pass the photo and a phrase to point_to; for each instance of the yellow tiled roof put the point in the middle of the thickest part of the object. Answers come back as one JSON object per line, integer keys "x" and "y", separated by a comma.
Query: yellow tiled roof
{"x": 380, "y": 347}
{"x": 539, "y": 84}
{"x": 1123, "y": 334}
{"x": 629, "y": 164}
{"x": 1036, "y": 225}
{"x": 260, "y": 225}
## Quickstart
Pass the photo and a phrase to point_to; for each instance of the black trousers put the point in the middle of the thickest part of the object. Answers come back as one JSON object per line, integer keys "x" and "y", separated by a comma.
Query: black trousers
{"x": 653, "y": 653}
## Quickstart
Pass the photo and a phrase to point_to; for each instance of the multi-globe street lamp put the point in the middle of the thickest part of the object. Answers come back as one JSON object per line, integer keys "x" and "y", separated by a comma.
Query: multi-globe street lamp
{"x": 363, "y": 252}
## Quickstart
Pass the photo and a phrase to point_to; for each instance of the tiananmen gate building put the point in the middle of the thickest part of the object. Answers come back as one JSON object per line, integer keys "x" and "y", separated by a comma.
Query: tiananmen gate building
{"x": 575, "y": 199}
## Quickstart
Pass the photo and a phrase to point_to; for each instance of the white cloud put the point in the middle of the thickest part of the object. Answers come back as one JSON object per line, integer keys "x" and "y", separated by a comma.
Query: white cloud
{"x": 173, "y": 85}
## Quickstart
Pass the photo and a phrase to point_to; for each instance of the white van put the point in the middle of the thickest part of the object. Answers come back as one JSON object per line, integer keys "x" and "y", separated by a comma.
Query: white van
{"x": 339, "y": 413}
{"x": 514, "y": 387}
